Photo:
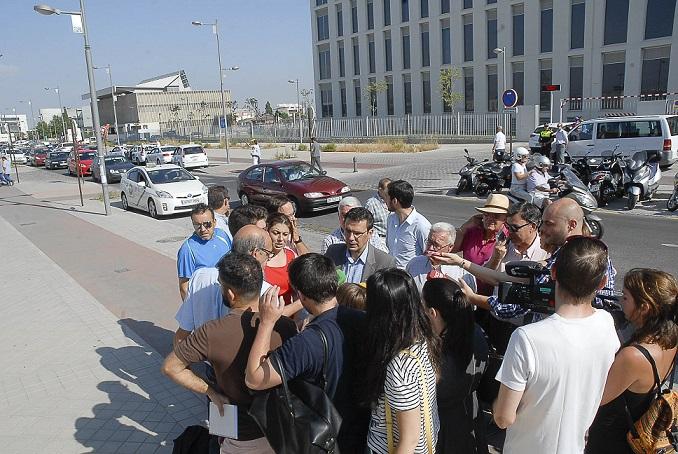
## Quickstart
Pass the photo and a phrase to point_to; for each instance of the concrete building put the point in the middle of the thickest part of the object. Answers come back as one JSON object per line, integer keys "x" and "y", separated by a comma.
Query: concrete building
{"x": 591, "y": 48}
{"x": 16, "y": 124}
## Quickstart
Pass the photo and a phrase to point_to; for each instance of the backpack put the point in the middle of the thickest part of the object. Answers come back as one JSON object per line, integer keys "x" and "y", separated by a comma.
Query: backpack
{"x": 657, "y": 430}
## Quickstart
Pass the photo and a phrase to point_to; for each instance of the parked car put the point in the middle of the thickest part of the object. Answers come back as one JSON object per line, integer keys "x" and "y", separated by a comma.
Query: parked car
{"x": 646, "y": 132}
{"x": 138, "y": 155}
{"x": 308, "y": 189}
{"x": 161, "y": 155}
{"x": 38, "y": 156}
{"x": 161, "y": 190}
{"x": 17, "y": 156}
{"x": 190, "y": 156}
{"x": 56, "y": 160}
{"x": 85, "y": 158}
{"x": 116, "y": 165}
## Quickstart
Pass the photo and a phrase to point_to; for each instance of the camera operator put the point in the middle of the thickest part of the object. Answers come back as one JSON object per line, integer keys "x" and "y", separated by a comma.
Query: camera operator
{"x": 561, "y": 220}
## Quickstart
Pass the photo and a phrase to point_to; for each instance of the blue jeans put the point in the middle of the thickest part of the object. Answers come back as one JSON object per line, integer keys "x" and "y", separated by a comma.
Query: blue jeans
{"x": 5, "y": 178}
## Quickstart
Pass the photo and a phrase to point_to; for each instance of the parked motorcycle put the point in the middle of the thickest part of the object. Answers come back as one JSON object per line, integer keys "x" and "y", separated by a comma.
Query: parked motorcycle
{"x": 603, "y": 174}
{"x": 672, "y": 203}
{"x": 492, "y": 177}
{"x": 467, "y": 174}
{"x": 641, "y": 176}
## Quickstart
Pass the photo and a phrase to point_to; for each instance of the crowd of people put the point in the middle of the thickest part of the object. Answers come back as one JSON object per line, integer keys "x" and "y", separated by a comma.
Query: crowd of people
{"x": 422, "y": 347}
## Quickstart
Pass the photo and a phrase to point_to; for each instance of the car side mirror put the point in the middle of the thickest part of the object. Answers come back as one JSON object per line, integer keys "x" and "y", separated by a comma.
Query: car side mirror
{"x": 141, "y": 184}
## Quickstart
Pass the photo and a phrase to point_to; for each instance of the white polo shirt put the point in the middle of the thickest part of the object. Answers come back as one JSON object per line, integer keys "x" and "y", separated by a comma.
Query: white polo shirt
{"x": 406, "y": 240}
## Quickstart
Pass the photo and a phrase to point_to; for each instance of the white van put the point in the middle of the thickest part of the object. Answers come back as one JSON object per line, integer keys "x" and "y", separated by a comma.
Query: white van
{"x": 647, "y": 132}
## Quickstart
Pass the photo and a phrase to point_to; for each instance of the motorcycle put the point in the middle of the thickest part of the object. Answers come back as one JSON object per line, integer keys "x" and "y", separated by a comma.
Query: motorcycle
{"x": 603, "y": 174}
{"x": 467, "y": 174}
{"x": 492, "y": 177}
{"x": 672, "y": 203}
{"x": 641, "y": 176}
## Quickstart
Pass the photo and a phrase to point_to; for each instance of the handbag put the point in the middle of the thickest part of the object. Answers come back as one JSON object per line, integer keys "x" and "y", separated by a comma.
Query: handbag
{"x": 656, "y": 431}
{"x": 298, "y": 417}
{"x": 428, "y": 421}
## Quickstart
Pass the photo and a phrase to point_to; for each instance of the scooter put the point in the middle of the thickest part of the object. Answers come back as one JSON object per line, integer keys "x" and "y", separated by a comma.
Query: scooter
{"x": 492, "y": 177}
{"x": 467, "y": 174}
{"x": 641, "y": 176}
{"x": 603, "y": 174}
{"x": 672, "y": 203}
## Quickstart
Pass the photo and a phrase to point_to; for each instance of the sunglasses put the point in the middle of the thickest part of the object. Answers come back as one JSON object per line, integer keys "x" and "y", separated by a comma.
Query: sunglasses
{"x": 269, "y": 254}
{"x": 514, "y": 228}
{"x": 205, "y": 225}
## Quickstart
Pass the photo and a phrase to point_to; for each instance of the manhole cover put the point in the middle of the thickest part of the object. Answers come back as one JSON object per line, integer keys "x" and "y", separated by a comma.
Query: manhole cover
{"x": 172, "y": 239}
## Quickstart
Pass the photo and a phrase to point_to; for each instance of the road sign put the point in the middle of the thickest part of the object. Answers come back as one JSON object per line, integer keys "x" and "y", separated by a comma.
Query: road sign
{"x": 509, "y": 98}
{"x": 222, "y": 123}
{"x": 551, "y": 87}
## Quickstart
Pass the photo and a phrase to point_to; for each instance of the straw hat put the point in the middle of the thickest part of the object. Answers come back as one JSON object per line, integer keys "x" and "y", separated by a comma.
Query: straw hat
{"x": 496, "y": 203}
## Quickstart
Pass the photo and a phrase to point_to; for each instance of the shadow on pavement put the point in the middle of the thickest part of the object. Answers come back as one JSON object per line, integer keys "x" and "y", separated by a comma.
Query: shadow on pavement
{"x": 160, "y": 339}
{"x": 4, "y": 201}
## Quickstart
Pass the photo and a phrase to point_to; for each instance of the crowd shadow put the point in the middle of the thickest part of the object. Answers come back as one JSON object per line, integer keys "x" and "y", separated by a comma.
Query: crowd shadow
{"x": 160, "y": 339}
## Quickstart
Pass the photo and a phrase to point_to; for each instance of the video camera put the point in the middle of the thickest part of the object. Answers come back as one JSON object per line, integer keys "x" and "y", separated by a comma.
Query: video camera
{"x": 533, "y": 295}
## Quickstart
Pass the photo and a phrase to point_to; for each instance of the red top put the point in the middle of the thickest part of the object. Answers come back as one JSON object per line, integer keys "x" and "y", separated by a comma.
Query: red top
{"x": 280, "y": 277}
{"x": 478, "y": 250}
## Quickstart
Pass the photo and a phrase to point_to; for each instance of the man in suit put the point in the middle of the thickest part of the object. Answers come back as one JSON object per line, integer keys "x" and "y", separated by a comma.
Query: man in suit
{"x": 357, "y": 258}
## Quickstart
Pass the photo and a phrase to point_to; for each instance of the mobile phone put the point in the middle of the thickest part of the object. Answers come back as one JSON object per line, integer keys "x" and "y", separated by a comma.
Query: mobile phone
{"x": 501, "y": 236}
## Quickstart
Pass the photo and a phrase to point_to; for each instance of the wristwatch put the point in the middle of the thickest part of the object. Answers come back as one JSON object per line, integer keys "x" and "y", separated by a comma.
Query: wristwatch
{"x": 298, "y": 241}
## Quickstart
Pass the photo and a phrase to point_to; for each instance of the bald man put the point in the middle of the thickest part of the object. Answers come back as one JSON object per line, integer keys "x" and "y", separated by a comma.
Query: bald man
{"x": 561, "y": 220}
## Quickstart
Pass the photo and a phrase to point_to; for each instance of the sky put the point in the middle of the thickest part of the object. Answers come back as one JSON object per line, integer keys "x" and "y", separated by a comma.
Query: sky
{"x": 270, "y": 40}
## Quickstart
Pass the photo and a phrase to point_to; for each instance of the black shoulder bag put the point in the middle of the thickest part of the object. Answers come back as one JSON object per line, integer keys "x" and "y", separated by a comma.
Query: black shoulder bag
{"x": 298, "y": 417}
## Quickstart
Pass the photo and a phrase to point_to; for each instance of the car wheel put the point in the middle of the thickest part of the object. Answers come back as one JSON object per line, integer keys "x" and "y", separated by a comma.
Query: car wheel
{"x": 123, "y": 200}
{"x": 152, "y": 210}
{"x": 244, "y": 200}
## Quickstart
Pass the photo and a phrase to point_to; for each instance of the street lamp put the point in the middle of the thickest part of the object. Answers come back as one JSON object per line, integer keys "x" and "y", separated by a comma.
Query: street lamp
{"x": 215, "y": 30}
{"x": 113, "y": 97}
{"x": 502, "y": 51}
{"x": 30, "y": 104}
{"x": 48, "y": 10}
{"x": 301, "y": 134}
{"x": 61, "y": 109}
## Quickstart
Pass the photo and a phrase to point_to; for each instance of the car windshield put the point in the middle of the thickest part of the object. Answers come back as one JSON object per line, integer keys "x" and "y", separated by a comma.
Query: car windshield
{"x": 163, "y": 176}
{"x": 167, "y": 149}
{"x": 58, "y": 155}
{"x": 88, "y": 155}
{"x": 298, "y": 172}
{"x": 193, "y": 150}
{"x": 115, "y": 160}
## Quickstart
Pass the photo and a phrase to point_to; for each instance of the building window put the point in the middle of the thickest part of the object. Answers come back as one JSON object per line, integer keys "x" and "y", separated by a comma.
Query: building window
{"x": 614, "y": 66}
{"x": 387, "y": 12}
{"x": 616, "y": 21}
{"x": 545, "y": 78}
{"x": 492, "y": 90}
{"x": 467, "y": 4}
{"x": 342, "y": 60}
{"x": 342, "y": 95}
{"x": 518, "y": 76}
{"x": 370, "y": 14}
{"x": 357, "y": 93}
{"x": 491, "y": 1}
{"x": 655, "y": 72}
{"x": 423, "y": 7}
{"x": 468, "y": 37}
{"x": 356, "y": 57}
{"x": 320, "y": 2}
{"x": 354, "y": 16}
{"x": 444, "y": 6}
{"x": 389, "y": 96}
{"x": 405, "y": 10}
{"x": 340, "y": 21}
{"x": 326, "y": 100}
{"x": 577, "y": 21}
{"x": 446, "y": 45}
{"x": 518, "y": 30}
{"x": 407, "y": 93}
{"x": 370, "y": 54}
{"x": 546, "y": 26}
{"x": 406, "y": 48}
{"x": 324, "y": 62}
{"x": 659, "y": 18}
{"x": 426, "y": 92}
{"x": 388, "y": 52}
{"x": 425, "y": 51}
{"x": 468, "y": 90}
{"x": 576, "y": 82}
{"x": 323, "y": 26}
{"x": 491, "y": 33}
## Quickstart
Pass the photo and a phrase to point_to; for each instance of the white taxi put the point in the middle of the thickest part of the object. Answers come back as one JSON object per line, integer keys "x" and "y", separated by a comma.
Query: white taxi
{"x": 161, "y": 190}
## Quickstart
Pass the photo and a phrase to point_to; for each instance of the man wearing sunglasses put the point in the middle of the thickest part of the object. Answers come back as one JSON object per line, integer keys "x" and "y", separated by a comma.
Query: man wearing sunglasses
{"x": 202, "y": 249}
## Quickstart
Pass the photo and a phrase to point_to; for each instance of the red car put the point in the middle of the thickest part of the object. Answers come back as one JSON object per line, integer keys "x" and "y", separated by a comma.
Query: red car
{"x": 308, "y": 188}
{"x": 38, "y": 157}
{"x": 85, "y": 157}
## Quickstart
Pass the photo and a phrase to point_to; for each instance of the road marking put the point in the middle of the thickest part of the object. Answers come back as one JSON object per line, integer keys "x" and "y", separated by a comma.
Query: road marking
{"x": 669, "y": 245}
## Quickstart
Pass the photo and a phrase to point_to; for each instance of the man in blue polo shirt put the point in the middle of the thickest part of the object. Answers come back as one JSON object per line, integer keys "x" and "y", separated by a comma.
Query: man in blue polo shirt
{"x": 202, "y": 249}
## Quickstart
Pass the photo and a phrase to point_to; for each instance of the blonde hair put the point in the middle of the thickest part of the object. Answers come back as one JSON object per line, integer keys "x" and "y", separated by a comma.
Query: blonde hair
{"x": 352, "y": 295}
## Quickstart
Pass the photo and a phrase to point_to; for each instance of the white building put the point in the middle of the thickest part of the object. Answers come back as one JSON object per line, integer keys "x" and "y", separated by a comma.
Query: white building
{"x": 15, "y": 123}
{"x": 591, "y": 48}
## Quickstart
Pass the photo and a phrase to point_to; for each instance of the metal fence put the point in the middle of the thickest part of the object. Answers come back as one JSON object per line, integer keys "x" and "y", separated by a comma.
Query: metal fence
{"x": 605, "y": 106}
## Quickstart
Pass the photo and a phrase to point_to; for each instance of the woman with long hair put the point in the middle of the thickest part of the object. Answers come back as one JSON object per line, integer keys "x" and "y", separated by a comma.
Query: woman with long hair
{"x": 403, "y": 355}
{"x": 464, "y": 360}
{"x": 279, "y": 227}
{"x": 650, "y": 304}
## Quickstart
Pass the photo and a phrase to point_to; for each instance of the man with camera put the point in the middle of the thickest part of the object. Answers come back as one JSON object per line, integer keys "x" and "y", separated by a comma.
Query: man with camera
{"x": 554, "y": 371}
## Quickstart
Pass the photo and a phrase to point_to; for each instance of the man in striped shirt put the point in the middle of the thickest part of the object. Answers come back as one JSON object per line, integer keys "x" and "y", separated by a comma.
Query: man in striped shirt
{"x": 378, "y": 207}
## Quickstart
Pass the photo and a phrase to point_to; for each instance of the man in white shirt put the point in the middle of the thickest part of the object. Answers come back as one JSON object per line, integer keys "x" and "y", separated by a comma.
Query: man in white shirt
{"x": 406, "y": 229}
{"x": 499, "y": 146}
{"x": 337, "y": 235}
{"x": 538, "y": 182}
{"x": 561, "y": 144}
{"x": 519, "y": 175}
{"x": 378, "y": 207}
{"x": 255, "y": 152}
{"x": 440, "y": 239}
{"x": 219, "y": 201}
{"x": 554, "y": 371}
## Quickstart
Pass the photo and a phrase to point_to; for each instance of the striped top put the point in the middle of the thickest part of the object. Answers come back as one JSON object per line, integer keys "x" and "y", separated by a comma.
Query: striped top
{"x": 403, "y": 390}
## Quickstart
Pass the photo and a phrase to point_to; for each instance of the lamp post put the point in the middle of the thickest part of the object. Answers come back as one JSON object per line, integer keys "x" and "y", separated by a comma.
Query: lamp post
{"x": 501, "y": 51}
{"x": 47, "y": 11}
{"x": 61, "y": 108}
{"x": 301, "y": 134}
{"x": 215, "y": 30}
{"x": 30, "y": 104}
{"x": 113, "y": 97}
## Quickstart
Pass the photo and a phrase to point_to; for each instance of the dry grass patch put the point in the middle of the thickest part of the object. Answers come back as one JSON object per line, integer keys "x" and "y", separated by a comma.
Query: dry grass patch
{"x": 381, "y": 147}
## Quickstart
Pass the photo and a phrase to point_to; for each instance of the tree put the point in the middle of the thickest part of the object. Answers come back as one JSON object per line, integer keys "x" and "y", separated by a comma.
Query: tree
{"x": 372, "y": 91}
{"x": 268, "y": 109}
{"x": 282, "y": 114}
{"x": 43, "y": 129}
{"x": 253, "y": 105}
{"x": 232, "y": 107}
{"x": 448, "y": 79}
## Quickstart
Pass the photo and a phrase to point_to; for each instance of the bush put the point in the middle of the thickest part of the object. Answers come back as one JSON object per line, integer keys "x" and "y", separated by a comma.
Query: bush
{"x": 302, "y": 147}
{"x": 329, "y": 147}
